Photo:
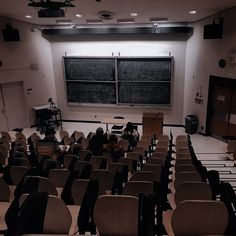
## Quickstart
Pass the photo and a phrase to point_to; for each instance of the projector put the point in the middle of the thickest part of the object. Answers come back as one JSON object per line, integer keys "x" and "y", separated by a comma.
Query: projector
{"x": 46, "y": 13}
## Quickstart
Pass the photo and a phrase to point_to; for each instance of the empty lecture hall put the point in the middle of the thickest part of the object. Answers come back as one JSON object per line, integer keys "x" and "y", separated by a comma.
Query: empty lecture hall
{"x": 117, "y": 118}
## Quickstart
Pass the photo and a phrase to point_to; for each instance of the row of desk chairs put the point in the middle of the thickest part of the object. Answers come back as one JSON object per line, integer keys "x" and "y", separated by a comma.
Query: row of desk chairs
{"x": 191, "y": 199}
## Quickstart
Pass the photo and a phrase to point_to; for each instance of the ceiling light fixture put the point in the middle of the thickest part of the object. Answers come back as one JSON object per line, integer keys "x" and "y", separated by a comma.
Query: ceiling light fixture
{"x": 125, "y": 20}
{"x": 79, "y": 15}
{"x": 134, "y": 14}
{"x": 28, "y": 16}
{"x": 192, "y": 12}
{"x": 158, "y": 19}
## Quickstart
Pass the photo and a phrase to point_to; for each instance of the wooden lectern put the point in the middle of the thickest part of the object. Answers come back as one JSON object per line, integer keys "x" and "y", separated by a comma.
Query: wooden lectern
{"x": 153, "y": 123}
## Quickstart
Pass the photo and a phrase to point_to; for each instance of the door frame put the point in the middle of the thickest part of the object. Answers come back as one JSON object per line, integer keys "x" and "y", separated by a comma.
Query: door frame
{"x": 213, "y": 81}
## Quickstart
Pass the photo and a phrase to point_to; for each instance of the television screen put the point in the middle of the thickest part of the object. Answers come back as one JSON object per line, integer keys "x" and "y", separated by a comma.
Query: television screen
{"x": 10, "y": 35}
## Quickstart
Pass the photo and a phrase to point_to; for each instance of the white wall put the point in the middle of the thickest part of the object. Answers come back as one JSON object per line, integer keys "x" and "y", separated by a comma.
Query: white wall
{"x": 105, "y": 46}
{"x": 202, "y": 56}
{"x": 17, "y": 58}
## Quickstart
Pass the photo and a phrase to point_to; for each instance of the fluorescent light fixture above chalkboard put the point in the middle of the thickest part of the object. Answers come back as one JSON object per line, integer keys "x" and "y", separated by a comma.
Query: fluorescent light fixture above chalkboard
{"x": 125, "y": 20}
{"x": 158, "y": 19}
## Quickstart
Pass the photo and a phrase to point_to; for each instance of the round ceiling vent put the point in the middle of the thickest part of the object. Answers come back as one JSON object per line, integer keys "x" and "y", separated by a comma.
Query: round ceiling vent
{"x": 105, "y": 15}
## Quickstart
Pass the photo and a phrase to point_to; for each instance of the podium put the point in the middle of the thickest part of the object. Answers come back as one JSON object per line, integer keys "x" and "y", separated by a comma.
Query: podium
{"x": 47, "y": 117}
{"x": 153, "y": 123}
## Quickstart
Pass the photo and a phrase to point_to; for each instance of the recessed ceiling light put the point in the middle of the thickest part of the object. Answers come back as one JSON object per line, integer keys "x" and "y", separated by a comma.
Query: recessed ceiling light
{"x": 78, "y": 15}
{"x": 134, "y": 14}
{"x": 192, "y": 12}
{"x": 28, "y": 16}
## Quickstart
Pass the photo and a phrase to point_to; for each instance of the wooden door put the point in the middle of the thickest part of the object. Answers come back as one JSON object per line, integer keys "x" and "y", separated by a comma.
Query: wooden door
{"x": 232, "y": 114}
{"x": 220, "y": 114}
{"x": 15, "y": 105}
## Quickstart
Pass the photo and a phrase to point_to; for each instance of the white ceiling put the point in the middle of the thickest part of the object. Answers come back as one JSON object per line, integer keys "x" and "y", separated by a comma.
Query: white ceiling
{"x": 174, "y": 10}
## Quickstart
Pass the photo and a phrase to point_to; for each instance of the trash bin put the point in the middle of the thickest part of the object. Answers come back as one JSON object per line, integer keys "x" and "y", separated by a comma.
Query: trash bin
{"x": 191, "y": 124}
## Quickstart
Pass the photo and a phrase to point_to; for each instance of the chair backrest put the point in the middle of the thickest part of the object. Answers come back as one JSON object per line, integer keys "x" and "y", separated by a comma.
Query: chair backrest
{"x": 68, "y": 158}
{"x": 48, "y": 150}
{"x": 85, "y": 143}
{"x": 63, "y": 134}
{"x": 124, "y": 143}
{"x": 78, "y": 135}
{"x": 85, "y": 155}
{"x": 105, "y": 178}
{"x": 134, "y": 188}
{"x": 84, "y": 168}
{"x": 192, "y": 191}
{"x": 17, "y": 173}
{"x": 20, "y": 162}
{"x": 139, "y": 149}
{"x": 68, "y": 140}
{"x": 145, "y": 176}
{"x": 185, "y": 167}
{"x": 186, "y": 176}
{"x": 44, "y": 185}
{"x": 131, "y": 163}
{"x": 163, "y": 144}
{"x": 4, "y": 191}
{"x": 57, "y": 217}
{"x": 231, "y": 147}
{"x": 155, "y": 161}
{"x": 78, "y": 190}
{"x": 183, "y": 161}
{"x": 58, "y": 177}
{"x": 143, "y": 143}
{"x": 116, "y": 215}
{"x": 199, "y": 217}
{"x": 133, "y": 155}
{"x": 98, "y": 162}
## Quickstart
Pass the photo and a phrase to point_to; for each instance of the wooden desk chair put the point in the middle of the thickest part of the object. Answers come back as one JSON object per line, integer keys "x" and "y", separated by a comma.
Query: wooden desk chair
{"x": 78, "y": 135}
{"x": 190, "y": 190}
{"x": 42, "y": 213}
{"x": 134, "y": 188}
{"x": 84, "y": 168}
{"x": 68, "y": 159}
{"x": 78, "y": 190}
{"x": 98, "y": 162}
{"x": 85, "y": 155}
{"x": 116, "y": 215}
{"x": 63, "y": 134}
{"x": 124, "y": 143}
{"x": 17, "y": 173}
{"x": 198, "y": 217}
{"x": 106, "y": 180}
{"x": 58, "y": 177}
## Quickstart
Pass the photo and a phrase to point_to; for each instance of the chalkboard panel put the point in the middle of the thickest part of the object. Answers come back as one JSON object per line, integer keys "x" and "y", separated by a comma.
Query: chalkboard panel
{"x": 149, "y": 69}
{"x": 91, "y": 92}
{"x": 91, "y": 69}
{"x": 118, "y": 80}
{"x": 144, "y": 93}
